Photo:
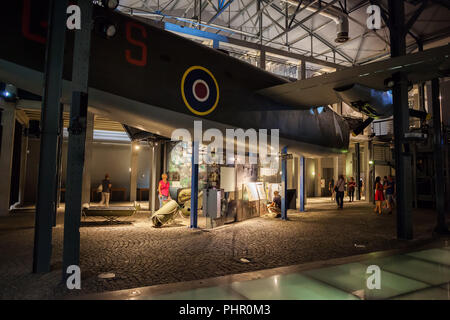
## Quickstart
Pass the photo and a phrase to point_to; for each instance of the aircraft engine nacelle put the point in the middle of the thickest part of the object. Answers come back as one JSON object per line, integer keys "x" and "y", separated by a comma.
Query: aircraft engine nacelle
{"x": 371, "y": 102}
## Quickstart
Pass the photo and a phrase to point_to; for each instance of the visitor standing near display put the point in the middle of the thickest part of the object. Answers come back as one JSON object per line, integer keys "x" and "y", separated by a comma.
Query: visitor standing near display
{"x": 163, "y": 190}
{"x": 351, "y": 189}
{"x": 331, "y": 188}
{"x": 385, "y": 182}
{"x": 106, "y": 191}
{"x": 379, "y": 195}
{"x": 275, "y": 207}
{"x": 339, "y": 188}
{"x": 390, "y": 193}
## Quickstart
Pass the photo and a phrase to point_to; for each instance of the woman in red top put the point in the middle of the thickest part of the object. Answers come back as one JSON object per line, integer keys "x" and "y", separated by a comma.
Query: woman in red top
{"x": 379, "y": 195}
{"x": 163, "y": 190}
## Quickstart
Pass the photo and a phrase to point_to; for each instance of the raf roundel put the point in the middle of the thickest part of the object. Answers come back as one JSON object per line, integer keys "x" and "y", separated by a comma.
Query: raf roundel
{"x": 199, "y": 90}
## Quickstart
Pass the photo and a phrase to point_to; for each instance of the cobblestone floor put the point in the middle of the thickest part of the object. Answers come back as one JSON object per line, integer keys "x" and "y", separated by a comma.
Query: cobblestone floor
{"x": 140, "y": 255}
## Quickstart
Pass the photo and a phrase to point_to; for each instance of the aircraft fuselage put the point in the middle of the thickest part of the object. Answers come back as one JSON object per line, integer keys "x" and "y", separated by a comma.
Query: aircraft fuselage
{"x": 145, "y": 76}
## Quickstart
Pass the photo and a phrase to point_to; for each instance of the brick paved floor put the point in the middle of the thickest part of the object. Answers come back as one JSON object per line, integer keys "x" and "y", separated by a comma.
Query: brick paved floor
{"x": 140, "y": 255}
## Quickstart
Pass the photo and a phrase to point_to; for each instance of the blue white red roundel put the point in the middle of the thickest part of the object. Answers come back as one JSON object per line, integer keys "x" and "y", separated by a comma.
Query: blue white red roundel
{"x": 199, "y": 90}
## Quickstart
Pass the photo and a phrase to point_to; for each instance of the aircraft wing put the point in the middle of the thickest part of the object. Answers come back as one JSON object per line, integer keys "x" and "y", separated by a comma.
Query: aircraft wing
{"x": 320, "y": 91}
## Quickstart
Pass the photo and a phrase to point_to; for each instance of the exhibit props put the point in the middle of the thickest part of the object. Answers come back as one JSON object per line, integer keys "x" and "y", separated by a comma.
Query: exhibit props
{"x": 165, "y": 214}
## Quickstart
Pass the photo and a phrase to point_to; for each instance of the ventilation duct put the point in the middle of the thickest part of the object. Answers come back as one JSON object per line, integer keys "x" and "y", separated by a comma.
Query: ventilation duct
{"x": 342, "y": 29}
{"x": 339, "y": 17}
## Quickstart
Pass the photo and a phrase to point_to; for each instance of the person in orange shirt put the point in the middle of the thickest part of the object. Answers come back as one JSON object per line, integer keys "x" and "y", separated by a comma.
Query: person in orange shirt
{"x": 163, "y": 190}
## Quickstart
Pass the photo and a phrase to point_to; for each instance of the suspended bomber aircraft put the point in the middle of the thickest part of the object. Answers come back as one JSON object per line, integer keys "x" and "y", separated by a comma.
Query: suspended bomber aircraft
{"x": 157, "y": 81}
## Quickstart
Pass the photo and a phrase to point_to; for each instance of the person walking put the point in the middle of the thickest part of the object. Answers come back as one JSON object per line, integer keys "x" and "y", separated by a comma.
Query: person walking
{"x": 361, "y": 186}
{"x": 331, "y": 189}
{"x": 351, "y": 189}
{"x": 106, "y": 191}
{"x": 390, "y": 193}
{"x": 339, "y": 188}
{"x": 385, "y": 181}
{"x": 163, "y": 190}
{"x": 379, "y": 196}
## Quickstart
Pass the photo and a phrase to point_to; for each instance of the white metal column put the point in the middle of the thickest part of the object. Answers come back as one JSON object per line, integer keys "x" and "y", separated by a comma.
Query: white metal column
{"x": 133, "y": 170}
{"x": 23, "y": 169}
{"x": 6, "y": 153}
{"x": 86, "y": 197}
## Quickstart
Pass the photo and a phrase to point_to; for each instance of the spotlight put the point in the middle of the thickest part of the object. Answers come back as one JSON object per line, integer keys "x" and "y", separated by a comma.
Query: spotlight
{"x": 105, "y": 28}
{"x": 110, "y": 30}
{"x": 110, "y": 4}
{"x": 389, "y": 83}
{"x": 9, "y": 92}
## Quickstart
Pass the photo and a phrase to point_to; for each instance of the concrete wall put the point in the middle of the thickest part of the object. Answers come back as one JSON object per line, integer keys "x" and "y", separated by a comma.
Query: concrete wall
{"x": 310, "y": 178}
{"x": 381, "y": 171}
{"x": 114, "y": 159}
{"x": 327, "y": 163}
{"x": 349, "y": 172}
{"x": 143, "y": 167}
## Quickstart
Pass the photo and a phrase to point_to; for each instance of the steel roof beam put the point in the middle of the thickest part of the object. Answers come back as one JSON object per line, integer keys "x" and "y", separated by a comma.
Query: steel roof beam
{"x": 300, "y": 23}
{"x": 325, "y": 42}
{"x": 221, "y": 10}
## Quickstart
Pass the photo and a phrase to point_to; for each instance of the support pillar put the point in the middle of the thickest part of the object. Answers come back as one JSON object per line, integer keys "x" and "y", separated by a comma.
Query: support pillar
{"x": 262, "y": 52}
{"x": 303, "y": 70}
{"x": 371, "y": 176}
{"x": 46, "y": 204}
{"x": 296, "y": 180}
{"x": 447, "y": 166}
{"x": 284, "y": 185}
{"x": 59, "y": 165}
{"x": 414, "y": 174}
{"x": 262, "y": 59}
{"x": 164, "y": 155}
{"x": 401, "y": 122}
{"x": 339, "y": 166}
{"x": 8, "y": 121}
{"x": 439, "y": 179}
{"x": 153, "y": 183}
{"x": 86, "y": 198}
{"x": 77, "y": 137}
{"x": 301, "y": 183}
{"x": 194, "y": 184}
{"x": 133, "y": 170}
{"x": 421, "y": 89}
{"x": 336, "y": 169}
{"x": 358, "y": 171}
{"x": 318, "y": 176}
{"x": 23, "y": 169}
{"x": 366, "y": 165}
{"x": 422, "y": 106}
